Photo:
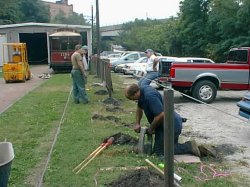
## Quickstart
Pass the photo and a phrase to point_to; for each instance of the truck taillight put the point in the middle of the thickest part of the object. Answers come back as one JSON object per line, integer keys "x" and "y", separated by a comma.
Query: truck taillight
{"x": 172, "y": 73}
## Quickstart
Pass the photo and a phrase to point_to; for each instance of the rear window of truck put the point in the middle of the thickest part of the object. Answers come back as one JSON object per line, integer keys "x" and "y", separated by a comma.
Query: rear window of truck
{"x": 238, "y": 56}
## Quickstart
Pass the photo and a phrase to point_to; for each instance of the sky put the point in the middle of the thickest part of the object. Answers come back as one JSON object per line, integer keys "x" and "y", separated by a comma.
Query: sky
{"x": 113, "y": 12}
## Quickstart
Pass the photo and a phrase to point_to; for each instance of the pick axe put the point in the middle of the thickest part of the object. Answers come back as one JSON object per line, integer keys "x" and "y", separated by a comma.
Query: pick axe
{"x": 92, "y": 155}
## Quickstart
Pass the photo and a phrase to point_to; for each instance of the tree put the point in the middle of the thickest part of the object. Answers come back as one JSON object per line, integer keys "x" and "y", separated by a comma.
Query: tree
{"x": 18, "y": 11}
{"x": 34, "y": 11}
{"x": 60, "y": 18}
{"x": 9, "y": 12}
{"x": 222, "y": 28}
{"x": 73, "y": 19}
{"x": 141, "y": 34}
{"x": 193, "y": 18}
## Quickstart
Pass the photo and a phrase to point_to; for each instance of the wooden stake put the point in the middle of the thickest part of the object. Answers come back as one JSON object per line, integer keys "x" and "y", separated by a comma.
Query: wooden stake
{"x": 154, "y": 166}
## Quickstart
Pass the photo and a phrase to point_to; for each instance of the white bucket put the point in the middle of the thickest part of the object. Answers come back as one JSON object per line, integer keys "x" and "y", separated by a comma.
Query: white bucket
{"x": 6, "y": 157}
{"x": 6, "y": 153}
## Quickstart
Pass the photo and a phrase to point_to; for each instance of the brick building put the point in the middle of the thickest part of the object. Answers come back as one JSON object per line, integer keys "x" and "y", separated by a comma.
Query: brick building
{"x": 61, "y": 5}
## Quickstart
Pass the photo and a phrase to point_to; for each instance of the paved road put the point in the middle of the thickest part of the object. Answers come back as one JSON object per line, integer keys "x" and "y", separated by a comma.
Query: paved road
{"x": 12, "y": 92}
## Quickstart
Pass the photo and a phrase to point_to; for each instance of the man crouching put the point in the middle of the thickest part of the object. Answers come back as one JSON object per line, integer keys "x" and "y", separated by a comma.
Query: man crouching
{"x": 150, "y": 102}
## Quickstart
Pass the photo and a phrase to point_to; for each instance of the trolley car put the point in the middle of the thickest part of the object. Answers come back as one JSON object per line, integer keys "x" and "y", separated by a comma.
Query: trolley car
{"x": 62, "y": 46}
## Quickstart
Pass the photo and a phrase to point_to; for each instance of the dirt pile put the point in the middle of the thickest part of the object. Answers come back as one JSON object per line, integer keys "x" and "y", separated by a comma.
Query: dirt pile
{"x": 105, "y": 118}
{"x": 114, "y": 109}
{"x": 112, "y": 101}
{"x": 139, "y": 178}
{"x": 123, "y": 139}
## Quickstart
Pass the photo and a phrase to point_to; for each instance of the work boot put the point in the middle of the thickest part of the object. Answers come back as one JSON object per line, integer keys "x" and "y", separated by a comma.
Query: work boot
{"x": 207, "y": 150}
{"x": 195, "y": 148}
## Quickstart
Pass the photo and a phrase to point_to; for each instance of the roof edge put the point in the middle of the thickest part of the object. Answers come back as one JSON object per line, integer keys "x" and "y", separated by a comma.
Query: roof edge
{"x": 44, "y": 24}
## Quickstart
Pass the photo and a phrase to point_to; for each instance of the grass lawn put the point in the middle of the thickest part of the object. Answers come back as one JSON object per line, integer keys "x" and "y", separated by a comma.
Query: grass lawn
{"x": 30, "y": 125}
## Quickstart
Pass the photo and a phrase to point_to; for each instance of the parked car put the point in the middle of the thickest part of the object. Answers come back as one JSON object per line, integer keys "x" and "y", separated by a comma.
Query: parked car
{"x": 202, "y": 80}
{"x": 130, "y": 68}
{"x": 129, "y": 58}
{"x": 244, "y": 106}
{"x": 113, "y": 57}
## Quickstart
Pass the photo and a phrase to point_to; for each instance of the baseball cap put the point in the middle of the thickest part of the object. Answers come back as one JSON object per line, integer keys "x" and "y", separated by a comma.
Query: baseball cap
{"x": 85, "y": 47}
{"x": 149, "y": 51}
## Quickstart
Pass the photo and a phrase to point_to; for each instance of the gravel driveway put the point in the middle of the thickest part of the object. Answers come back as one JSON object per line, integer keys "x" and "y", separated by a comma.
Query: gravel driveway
{"x": 207, "y": 125}
{"x": 11, "y": 92}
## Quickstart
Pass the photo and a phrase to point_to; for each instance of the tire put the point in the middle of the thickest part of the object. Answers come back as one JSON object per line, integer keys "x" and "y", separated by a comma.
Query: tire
{"x": 205, "y": 91}
{"x": 29, "y": 75}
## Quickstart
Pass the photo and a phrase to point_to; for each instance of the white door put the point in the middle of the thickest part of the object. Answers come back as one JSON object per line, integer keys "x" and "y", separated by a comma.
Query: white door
{"x": 3, "y": 39}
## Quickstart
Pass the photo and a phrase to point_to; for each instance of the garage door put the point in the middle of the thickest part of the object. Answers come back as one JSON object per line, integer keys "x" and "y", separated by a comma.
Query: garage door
{"x": 37, "y": 47}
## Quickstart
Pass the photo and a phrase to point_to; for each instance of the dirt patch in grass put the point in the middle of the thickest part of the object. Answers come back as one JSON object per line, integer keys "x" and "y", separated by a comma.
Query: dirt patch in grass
{"x": 114, "y": 109}
{"x": 226, "y": 149}
{"x": 123, "y": 139}
{"x": 112, "y": 119}
{"x": 112, "y": 101}
{"x": 105, "y": 118}
{"x": 101, "y": 92}
{"x": 139, "y": 178}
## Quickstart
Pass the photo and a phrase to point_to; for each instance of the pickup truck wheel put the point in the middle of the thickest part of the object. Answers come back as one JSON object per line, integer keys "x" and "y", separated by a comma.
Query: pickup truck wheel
{"x": 205, "y": 91}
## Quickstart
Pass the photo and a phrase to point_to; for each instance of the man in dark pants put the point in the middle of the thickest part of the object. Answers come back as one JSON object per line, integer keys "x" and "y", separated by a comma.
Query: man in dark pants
{"x": 79, "y": 76}
{"x": 150, "y": 102}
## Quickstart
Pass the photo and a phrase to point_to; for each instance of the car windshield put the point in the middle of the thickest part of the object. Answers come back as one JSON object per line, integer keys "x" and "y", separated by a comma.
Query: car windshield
{"x": 131, "y": 56}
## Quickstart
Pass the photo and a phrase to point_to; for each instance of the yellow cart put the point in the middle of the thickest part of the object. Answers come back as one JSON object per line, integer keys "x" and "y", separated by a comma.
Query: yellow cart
{"x": 15, "y": 62}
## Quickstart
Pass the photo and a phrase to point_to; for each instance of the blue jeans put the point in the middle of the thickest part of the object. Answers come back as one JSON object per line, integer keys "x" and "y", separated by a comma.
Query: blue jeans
{"x": 79, "y": 82}
{"x": 158, "y": 148}
{"x": 146, "y": 80}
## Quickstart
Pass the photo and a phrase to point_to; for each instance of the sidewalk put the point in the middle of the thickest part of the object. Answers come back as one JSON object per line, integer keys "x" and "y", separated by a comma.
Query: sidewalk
{"x": 12, "y": 92}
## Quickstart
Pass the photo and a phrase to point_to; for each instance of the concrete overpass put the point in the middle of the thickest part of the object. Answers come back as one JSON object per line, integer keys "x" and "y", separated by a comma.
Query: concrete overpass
{"x": 110, "y": 31}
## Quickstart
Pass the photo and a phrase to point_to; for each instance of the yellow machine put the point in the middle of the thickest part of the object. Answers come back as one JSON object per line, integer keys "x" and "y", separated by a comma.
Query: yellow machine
{"x": 15, "y": 62}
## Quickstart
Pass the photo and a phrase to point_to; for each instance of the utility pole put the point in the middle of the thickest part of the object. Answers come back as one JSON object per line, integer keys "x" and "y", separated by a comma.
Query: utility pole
{"x": 98, "y": 29}
{"x": 92, "y": 28}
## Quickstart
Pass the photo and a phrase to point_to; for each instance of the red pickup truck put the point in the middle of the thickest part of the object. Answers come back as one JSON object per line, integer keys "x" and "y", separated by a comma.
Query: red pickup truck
{"x": 203, "y": 80}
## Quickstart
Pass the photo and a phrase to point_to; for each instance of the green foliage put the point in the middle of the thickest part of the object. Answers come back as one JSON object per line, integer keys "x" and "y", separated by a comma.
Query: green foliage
{"x": 203, "y": 28}
{"x": 73, "y": 19}
{"x": 34, "y": 11}
{"x": 9, "y": 12}
{"x": 17, "y": 11}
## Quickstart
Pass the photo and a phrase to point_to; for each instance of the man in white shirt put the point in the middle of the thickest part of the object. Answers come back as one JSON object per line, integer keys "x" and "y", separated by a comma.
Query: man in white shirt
{"x": 152, "y": 68}
{"x": 84, "y": 60}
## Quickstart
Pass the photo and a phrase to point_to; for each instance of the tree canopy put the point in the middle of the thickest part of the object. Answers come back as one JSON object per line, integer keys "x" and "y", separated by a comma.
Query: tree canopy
{"x": 21, "y": 11}
{"x": 17, "y": 11}
{"x": 203, "y": 28}
{"x": 73, "y": 19}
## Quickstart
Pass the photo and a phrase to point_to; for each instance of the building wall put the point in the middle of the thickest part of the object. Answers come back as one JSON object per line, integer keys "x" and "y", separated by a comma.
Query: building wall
{"x": 11, "y": 34}
{"x": 62, "y": 5}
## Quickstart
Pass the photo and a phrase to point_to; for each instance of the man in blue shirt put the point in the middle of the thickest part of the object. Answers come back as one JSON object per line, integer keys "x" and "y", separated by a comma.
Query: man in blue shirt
{"x": 150, "y": 102}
